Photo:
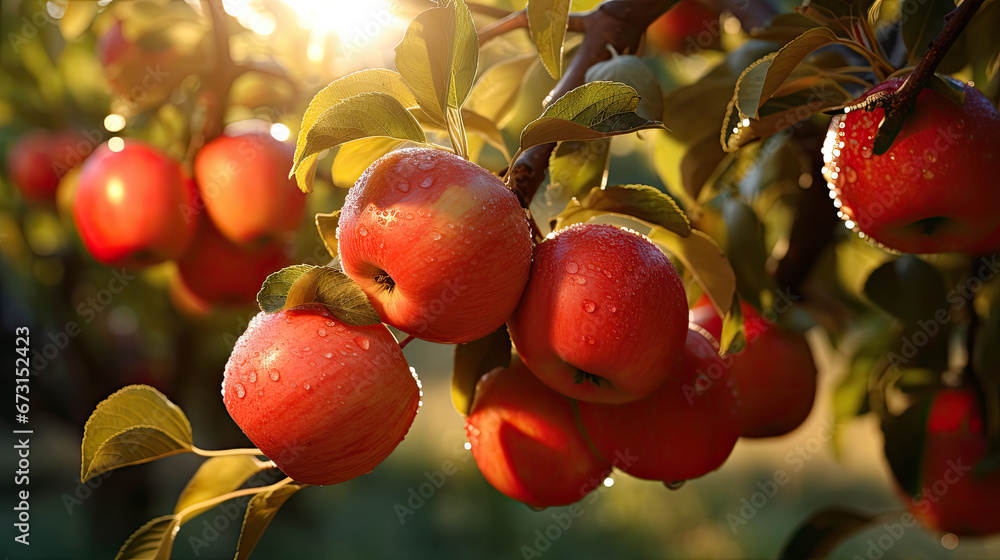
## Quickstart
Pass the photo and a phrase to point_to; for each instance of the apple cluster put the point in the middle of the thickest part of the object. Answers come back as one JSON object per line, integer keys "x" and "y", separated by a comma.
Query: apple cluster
{"x": 607, "y": 370}
{"x": 135, "y": 206}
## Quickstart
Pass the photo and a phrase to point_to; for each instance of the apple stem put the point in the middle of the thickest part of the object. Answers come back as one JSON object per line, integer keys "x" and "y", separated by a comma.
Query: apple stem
{"x": 402, "y": 343}
{"x": 899, "y": 104}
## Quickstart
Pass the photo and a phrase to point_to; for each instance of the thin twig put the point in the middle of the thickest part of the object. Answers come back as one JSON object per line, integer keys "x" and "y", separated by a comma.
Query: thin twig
{"x": 899, "y": 104}
{"x": 491, "y": 11}
{"x": 508, "y": 23}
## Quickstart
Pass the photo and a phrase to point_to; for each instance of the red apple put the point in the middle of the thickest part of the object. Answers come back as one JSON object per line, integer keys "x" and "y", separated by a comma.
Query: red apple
{"x": 326, "y": 401}
{"x": 775, "y": 372}
{"x": 688, "y": 27}
{"x": 439, "y": 244}
{"x": 907, "y": 198}
{"x": 527, "y": 442}
{"x": 39, "y": 159}
{"x": 243, "y": 181}
{"x": 217, "y": 271}
{"x": 685, "y": 429}
{"x": 130, "y": 206}
{"x": 144, "y": 69}
{"x": 942, "y": 485}
{"x": 604, "y": 315}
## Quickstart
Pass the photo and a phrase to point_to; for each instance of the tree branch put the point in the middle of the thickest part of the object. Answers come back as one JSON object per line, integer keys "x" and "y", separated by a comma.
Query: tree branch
{"x": 899, "y": 104}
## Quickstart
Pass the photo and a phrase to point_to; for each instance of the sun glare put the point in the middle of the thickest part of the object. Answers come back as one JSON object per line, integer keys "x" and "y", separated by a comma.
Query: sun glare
{"x": 346, "y": 18}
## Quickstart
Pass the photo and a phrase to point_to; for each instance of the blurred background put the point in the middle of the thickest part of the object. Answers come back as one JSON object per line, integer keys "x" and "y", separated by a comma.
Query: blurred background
{"x": 96, "y": 329}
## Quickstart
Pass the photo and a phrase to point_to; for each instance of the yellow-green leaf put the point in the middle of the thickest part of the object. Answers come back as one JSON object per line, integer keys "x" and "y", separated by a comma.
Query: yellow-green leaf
{"x": 547, "y": 21}
{"x": 260, "y": 511}
{"x": 494, "y": 94}
{"x": 706, "y": 262}
{"x": 77, "y": 19}
{"x": 362, "y": 116}
{"x": 215, "y": 477}
{"x": 152, "y": 541}
{"x": 641, "y": 202}
{"x": 378, "y": 80}
{"x": 337, "y": 291}
{"x": 591, "y": 111}
{"x": 733, "y": 336}
{"x": 577, "y": 166}
{"x": 135, "y": 425}
{"x": 326, "y": 224}
{"x": 759, "y": 82}
{"x": 354, "y": 157}
{"x": 439, "y": 57}
{"x": 472, "y": 361}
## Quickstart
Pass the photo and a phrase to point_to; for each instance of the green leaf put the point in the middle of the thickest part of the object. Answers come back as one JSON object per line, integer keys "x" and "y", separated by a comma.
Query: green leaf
{"x": 819, "y": 535}
{"x": 591, "y": 111}
{"x": 495, "y": 93}
{"x": 706, "y": 262}
{"x": 362, "y": 116}
{"x": 547, "y": 20}
{"x": 642, "y": 202}
{"x": 353, "y": 158}
{"x": 632, "y": 70}
{"x": 472, "y": 361}
{"x": 215, "y": 477}
{"x": 908, "y": 288}
{"x": 305, "y": 284}
{"x": 274, "y": 293}
{"x": 577, "y": 166}
{"x": 152, "y": 541}
{"x": 905, "y": 438}
{"x": 364, "y": 81}
{"x": 746, "y": 250}
{"x": 733, "y": 335}
{"x": 327, "y": 226}
{"x": 438, "y": 57}
{"x": 922, "y": 21}
{"x": 135, "y": 425}
{"x": 759, "y": 82}
{"x": 260, "y": 511}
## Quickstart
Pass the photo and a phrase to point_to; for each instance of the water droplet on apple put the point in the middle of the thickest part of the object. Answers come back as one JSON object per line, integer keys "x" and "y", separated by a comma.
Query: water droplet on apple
{"x": 260, "y": 393}
{"x": 572, "y": 267}
{"x": 240, "y": 391}
{"x": 612, "y": 308}
{"x": 363, "y": 232}
{"x": 273, "y": 374}
{"x": 253, "y": 377}
{"x": 536, "y": 508}
{"x": 408, "y": 216}
{"x": 435, "y": 235}
{"x": 928, "y": 174}
{"x": 467, "y": 241}
{"x": 590, "y": 340}
{"x": 293, "y": 385}
{"x": 427, "y": 182}
{"x": 581, "y": 280}
{"x": 851, "y": 175}
{"x": 865, "y": 152}
{"x": 306, "y": 386}
{"x": 674, "y": 485}
{"x": 362, "y": 342}
{"x": 403, "y": 186}
{"x": 426, "y": 165}
{"x": 329, "y": 355}
{"x": 589, "y": 306}
{"x": 313, "y": 364}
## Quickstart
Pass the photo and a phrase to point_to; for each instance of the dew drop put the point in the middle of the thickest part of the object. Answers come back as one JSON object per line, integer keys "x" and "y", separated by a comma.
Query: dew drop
{"x": 572, "y": 267}
{"x": 612, "y": 308}
{"x": 293, "y": 385}
{"x": 273, "y": 374}
{"x": 589, "y": 306}
{"x": 865, "y": 152}
{"x": 581, "y": 280}
{"x": 253, "y": 377}
{"x": 408, "y": 216}
{"x": 363, "y": 232}
{"x": 435, "y": 235}
{"x": 850, "y": 175}
{"x": 260, "y": 393}
{"x": 928, "y": 174}
{"x": 363, "y": 342}
{"x": 674, "y": 485}
{"x": 425, "y": 165}
{"x": 403, "y": 186}
{"x": 427, "y": 182}
{"x": 931, "y": 156}
{"x": 306, "y": 386}
{"x": 329, "y": 355}
{"x": 240, "y": 390}
{"x": 312, "y": 364}
{"x": 590, "y": 340}
{"x": 321, "y": 332}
